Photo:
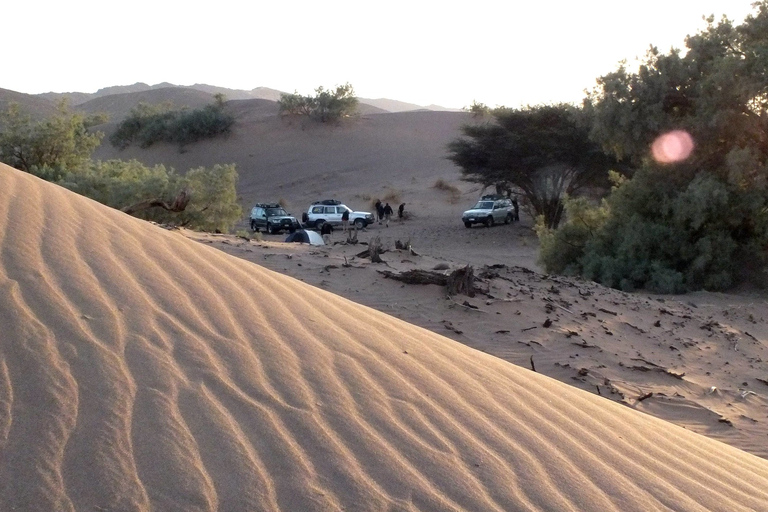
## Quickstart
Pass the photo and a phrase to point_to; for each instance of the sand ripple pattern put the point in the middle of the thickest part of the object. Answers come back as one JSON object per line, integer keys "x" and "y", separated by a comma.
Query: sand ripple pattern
{"x": 140, "y": 371}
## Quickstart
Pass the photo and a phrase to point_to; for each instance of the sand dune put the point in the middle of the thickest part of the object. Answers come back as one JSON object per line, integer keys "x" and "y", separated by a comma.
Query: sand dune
{"x": 140, "y": 370}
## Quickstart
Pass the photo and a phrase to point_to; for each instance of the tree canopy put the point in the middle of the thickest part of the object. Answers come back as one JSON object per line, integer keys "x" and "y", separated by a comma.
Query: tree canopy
{"x": 61, "y": 142}
{"x": 696, "y": 222}
{"x": 543, "y": 151}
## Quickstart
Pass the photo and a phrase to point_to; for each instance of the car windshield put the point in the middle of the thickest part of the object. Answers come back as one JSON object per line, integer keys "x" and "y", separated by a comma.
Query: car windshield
{"x": 272, "y": 212}
{"x": 483, "y": 205}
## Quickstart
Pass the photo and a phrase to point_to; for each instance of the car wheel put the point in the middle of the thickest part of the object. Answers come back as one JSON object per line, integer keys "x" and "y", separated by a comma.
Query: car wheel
{"x": 359, "y": 223}
{"x": 467, "y": 224}
{"x": 319, "y": 224}
{"x": 253, "y": 226}
{"x": 489, "y": 221}
{"x": 269, "y": 229}
{"x": 508, "y": 218}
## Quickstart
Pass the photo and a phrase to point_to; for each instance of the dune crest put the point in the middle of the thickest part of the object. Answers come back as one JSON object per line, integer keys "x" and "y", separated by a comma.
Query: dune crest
{"x": 140, "y": 370}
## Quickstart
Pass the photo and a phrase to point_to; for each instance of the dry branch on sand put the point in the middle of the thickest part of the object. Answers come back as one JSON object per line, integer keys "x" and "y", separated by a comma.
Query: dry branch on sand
{"x": 459, "y": 282}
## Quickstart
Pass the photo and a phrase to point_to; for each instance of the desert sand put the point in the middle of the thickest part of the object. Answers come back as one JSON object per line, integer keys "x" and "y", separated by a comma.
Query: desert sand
{"x": 143, "y": 370}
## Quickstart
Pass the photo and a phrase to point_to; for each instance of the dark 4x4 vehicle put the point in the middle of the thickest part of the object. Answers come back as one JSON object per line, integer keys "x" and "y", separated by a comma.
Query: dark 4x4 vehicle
{"x": 272, "y": 218}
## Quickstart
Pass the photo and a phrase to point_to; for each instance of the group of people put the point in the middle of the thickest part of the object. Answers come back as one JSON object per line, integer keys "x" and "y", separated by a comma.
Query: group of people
{"x": 384, "y": 212}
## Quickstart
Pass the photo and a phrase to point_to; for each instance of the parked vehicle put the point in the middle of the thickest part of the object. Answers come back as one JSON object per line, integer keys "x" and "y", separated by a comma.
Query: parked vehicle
{"x": 272, "y": 218}
{"x": 331, "y": 210}
{"x": 489, "y": 210}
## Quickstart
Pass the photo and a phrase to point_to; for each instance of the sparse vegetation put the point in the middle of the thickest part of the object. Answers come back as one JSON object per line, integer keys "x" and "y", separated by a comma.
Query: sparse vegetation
{"x": 46, "y": 148}
{"x": 325, "y": 106}
{"x": 150, "y": 124}
{"x": 59, "y": 150}
{"x": 453, "y": 190}
{"x": 478, "y": 109}
{"x": 391, "y": 196}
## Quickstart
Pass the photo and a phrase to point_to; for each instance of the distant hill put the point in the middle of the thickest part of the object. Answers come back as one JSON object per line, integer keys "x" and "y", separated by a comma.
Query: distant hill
{"x": 79, "y": 98}
{"x": 119, "y": 106}
{"x": 401, "y": 106}
{"x": 33, "y": 105}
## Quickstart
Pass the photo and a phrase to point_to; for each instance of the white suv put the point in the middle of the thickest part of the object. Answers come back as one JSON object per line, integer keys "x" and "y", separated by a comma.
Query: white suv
{"x": 331, "y": 211}
{"x": 489, "y": 211}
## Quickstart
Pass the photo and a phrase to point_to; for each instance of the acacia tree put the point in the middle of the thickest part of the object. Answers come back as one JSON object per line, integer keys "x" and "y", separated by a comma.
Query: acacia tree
{"x": 703, "y": 221}
{"x": 326, "y": 105}
{"x": 544, "y": 151}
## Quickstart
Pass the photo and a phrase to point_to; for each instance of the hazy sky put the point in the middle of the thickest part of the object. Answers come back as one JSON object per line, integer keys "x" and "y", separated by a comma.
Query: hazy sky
{"x": 426, "y": 52}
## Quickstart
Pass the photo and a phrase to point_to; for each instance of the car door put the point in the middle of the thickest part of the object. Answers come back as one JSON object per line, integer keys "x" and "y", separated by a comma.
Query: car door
{"x": 261, "y": 218}
{"x": 333, "y": 214}
{"x": 499, "y": 212}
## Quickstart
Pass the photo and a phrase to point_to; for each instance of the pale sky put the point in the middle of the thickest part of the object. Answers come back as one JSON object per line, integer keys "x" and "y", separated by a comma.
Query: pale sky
{"x": 447, "y": 53}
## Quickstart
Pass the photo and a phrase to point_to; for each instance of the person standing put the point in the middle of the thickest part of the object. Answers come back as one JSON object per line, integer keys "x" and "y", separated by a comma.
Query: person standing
{"x": 387, "y": 214}
{"x": 379, "y": 210}
{"x": 345, "y": 221}
{"x": 516, "y": 209}
{"x": 401, "y": 211}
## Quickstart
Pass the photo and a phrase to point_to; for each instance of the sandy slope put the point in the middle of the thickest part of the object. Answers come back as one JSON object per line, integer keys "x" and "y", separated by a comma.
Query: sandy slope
{"x": 142, "y": 371}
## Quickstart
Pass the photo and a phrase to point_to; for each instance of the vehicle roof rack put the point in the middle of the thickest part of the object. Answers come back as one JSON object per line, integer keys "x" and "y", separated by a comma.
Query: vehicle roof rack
{"x": 267, "y": 205}
{"x": 332, "y": 202}
{"x": 493, "y": 197}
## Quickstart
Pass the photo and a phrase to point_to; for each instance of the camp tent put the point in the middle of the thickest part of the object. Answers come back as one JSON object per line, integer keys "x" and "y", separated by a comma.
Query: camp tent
{"x": 303, "y": 236}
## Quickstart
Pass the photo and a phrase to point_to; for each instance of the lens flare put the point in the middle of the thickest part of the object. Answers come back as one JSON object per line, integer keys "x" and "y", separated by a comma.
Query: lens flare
{"x": 674, "y": 146}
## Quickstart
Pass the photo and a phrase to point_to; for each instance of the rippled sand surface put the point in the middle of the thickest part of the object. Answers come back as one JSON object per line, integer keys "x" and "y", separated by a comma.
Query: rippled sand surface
{"x": 140, "y": 370}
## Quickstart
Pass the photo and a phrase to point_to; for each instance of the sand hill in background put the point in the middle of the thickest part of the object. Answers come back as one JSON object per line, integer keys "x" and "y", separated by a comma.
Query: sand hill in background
{"x": 140, "y": 370}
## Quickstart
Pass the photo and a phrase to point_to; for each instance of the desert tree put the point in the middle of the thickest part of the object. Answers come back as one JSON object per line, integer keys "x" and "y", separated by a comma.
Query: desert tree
{"x": 325, "y": 106}
{"x": 701, "y": 220}
{"x": 544, "y": 151}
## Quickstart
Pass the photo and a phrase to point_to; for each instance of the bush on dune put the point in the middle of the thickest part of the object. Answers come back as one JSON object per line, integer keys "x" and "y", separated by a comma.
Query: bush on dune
{"x": 149, "y": 124}
{"x": 59, "y": 149}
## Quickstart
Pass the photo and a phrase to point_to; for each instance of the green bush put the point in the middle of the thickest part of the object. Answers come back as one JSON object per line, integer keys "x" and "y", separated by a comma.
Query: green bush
{"x": 212, "y": 192}
{"x": 561, "y": 249}
{"x": 149, "y": 124}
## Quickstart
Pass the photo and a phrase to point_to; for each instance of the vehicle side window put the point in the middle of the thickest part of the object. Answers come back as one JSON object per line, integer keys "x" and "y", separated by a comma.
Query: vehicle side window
{"x": 330, "y": 209}
{"x": 260, "y": 212}
{"x": 317, "y": 209}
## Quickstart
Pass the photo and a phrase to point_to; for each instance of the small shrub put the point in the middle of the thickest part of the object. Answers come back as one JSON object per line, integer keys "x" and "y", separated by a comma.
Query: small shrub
{"x": 392, "y": 196}
{"x": 453, "y": 190}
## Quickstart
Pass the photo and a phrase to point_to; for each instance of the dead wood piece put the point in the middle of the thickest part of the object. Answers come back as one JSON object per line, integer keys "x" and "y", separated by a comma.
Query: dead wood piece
{"x": 751, "y": 336}
{"x": 374, "y": 249}
{"x": 179, "y": 204}
{"x": 645, "y": 396}
{"x": 638, "y": 329}
{"x": 417, "y": 276}
{"x": 533, "y": 366}
{"x": 550, "y": 301}
{"x": 640, "y": 359}
{"x": 608, "y": 311}
{"x": 462, "y": 282}
{"x": 584, "y": 345}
